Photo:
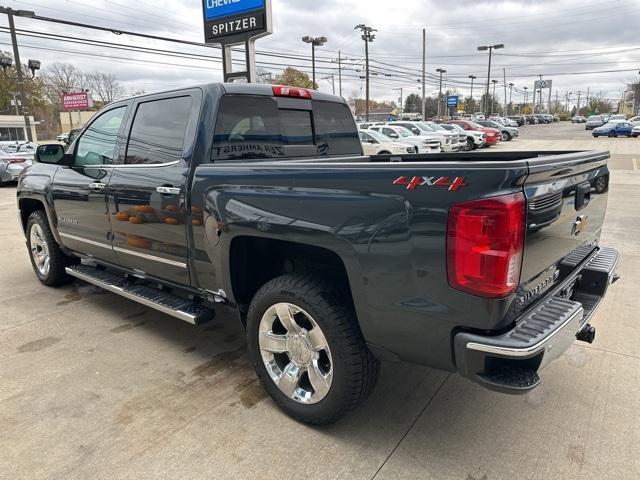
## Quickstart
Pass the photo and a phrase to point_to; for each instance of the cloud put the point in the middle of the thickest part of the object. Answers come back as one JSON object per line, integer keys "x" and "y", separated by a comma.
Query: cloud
{"x": 541, "y": 37}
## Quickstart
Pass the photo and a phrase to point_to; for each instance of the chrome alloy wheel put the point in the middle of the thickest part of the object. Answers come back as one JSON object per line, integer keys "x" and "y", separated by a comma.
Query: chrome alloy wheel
{"x": 39, "y": 250}
{"x": 295, "y": 353}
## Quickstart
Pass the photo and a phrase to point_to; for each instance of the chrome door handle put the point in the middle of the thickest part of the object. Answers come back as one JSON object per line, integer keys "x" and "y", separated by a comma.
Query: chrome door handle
{"x": 97, "y": 186}
{"x": 168, "y": 190}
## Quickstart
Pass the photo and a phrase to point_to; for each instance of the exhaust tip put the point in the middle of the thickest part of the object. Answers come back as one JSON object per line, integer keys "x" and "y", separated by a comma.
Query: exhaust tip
{"x": 587, "y": 334}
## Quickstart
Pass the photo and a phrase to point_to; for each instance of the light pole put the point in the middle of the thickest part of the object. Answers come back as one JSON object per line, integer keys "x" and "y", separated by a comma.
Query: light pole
{"x": 526, "y": 96}
{"x": 510, "y": 94}
{"x": 483, "y": 48}
{"x": 568, "y": 99}
{"x": 636, "y": 98}
{"x": 16, "y": 56}
{"x": 472, "y": 77}
{"x": 493, "y": 99}
{"x": 315, "y": 42}
{"x": 440, "y": 71}
{"x": 401, "y": 100}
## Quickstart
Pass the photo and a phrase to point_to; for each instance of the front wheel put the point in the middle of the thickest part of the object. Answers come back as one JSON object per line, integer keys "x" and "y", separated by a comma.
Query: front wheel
{"x": 506, "y": 136}
{"x": 47, "y": 259}
{"x": 468, "y": 146}
{"x": 307, "y": 348}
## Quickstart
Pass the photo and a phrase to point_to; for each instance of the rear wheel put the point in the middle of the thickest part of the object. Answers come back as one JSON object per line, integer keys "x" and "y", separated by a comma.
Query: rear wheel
{"x": 601, "y": 184}
{"x": 307, "y": 348}
{"x": 506, "y": 136}
{"x": 48, "y": 260}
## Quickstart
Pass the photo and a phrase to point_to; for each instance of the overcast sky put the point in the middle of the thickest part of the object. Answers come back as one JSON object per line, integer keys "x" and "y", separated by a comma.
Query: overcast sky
{"x": 556, "y": 38}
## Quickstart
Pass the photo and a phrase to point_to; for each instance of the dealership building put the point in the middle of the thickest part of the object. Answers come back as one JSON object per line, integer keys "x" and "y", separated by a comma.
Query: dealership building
{"x": 12, "y": 127}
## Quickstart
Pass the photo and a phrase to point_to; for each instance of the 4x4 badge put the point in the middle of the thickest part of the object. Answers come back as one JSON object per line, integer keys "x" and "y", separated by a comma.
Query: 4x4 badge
{"x": 415, "y": 182}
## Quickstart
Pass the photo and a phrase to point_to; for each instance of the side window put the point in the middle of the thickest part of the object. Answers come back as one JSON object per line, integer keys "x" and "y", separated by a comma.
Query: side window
{"x": 158, "y": 131}
{"x": 247, "y": 127}
{"x": 97, "y": 144}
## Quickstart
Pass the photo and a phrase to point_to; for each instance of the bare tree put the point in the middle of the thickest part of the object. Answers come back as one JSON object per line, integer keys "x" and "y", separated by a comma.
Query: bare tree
{"x": 105, "y": 87}
{"x": 60, "y": 78}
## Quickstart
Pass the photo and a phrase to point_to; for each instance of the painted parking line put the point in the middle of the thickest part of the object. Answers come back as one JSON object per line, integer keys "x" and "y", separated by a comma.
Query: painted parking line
{"x": 635, "y": 163}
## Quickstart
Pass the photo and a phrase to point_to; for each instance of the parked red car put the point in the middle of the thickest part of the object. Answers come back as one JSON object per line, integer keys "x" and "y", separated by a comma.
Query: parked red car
{"x": 493, "y": 134}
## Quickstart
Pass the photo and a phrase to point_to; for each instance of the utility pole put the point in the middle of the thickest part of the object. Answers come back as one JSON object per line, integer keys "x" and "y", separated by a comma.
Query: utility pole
{"x": 472, "y": 77}
{"x": 490, "y": 48}
{"x": 555, "y": 110}
{"x": 440, "y": 71}
{"x": 424, "y": 73}
{"x": 493, "y": 99}
{"x": 578, "y": 102}
{"x": 510, "y": 94}
{"x": 16, "y": 58}
{"x": 401, "y": 101}
{"x": 636, "y": 99}
{"x": 504, "y": 81}
{"x": 526, "y": 96}
{"x": 367, "y": 36}
{"x": 339, "y": 60}
{"x": 568, "y": 100}
{"x": 588, "y": 88}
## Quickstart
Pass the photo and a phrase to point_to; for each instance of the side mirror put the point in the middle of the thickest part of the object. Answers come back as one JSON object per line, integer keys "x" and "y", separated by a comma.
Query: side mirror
{"x": 52, "y": 153}
{"x": 394, "y": 135}
{"x": 416, "y": 131}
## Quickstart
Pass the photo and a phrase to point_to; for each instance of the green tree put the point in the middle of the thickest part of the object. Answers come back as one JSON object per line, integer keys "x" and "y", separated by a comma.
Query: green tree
{"x": 293, "y": 78}
{"x": 413, "y": 103}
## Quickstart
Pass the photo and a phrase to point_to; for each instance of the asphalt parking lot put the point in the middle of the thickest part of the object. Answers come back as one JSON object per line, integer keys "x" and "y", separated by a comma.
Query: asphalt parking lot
{"x": 95, "y": 386}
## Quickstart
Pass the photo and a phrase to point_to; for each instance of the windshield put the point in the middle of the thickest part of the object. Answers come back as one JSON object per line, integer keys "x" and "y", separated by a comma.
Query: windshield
{"x": 595, "y": 117}
{"x": 379, "y": 136}
{"x": 427, "y": 127}
{"x": 437, "y": 128}
{"x": 475, "y": 125}
{"x": 403, "y": 132}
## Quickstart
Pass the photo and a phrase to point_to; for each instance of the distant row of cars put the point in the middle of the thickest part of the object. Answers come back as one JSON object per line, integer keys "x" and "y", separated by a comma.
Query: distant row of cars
{"x": 15, "y": 156}
{"x": 400, "y": 136}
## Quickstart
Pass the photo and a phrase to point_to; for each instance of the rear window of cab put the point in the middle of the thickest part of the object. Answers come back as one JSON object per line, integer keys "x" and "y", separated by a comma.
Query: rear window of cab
{"x": 251, "y": 127}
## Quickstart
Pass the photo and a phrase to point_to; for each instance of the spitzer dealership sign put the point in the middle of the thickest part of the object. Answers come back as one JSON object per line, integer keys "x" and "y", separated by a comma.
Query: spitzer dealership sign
{"x": 236, "y": 20}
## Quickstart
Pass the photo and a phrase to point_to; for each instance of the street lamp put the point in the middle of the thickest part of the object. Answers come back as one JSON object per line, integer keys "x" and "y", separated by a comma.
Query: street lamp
{"x": 33, "y": 66}
{"x": 490, "y": 48}
{"x": 5, "y": 62}
{"x": 568, "y": 100}
{"x": 440, "y": 71}
{"x": 315, "y": 42}
{"x": 493, "y": 99}
{"x": 472, "y": 77}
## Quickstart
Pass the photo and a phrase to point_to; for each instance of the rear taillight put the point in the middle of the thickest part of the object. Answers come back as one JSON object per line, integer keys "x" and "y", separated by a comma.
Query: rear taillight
{"x": 15, "y": 160}
{"x": 485, "y": 240}
{"x": 296, "y": 92}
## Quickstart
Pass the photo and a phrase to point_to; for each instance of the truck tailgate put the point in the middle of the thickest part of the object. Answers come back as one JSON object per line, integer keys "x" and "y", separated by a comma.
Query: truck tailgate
{"x": 565, "y": 214}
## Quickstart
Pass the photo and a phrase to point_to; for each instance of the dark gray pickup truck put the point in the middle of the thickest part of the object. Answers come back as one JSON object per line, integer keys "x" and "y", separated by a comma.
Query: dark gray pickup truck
{"x": 256, "y": 202}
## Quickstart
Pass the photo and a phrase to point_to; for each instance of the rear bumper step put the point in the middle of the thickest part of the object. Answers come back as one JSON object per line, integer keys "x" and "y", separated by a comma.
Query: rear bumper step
{"x": 184, "y": 309}
{"x": 510, "y": 362}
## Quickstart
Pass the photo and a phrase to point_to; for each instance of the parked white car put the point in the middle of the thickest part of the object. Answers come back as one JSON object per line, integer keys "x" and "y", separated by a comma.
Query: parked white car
{"x": 12, "y": 165}
{"x": 375, "y": 143}
{"x": 635, "y": 121}
{"x": 472, "y": 138}
{"x": 400, "y": 134}
{"x": 635, "y": 131}
{"x": 448, "y": 140}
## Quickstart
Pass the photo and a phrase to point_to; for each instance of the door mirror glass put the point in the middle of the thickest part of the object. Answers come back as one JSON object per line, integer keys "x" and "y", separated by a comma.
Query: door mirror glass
{"x": 52, "y": 154}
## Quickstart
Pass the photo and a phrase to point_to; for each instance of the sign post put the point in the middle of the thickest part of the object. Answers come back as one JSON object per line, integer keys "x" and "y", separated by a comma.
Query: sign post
{"x": 237, "y": 22}
{"x": 541, "y": 85}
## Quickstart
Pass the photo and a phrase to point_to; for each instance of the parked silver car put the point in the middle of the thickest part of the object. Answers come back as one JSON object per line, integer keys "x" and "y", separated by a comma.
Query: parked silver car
{"x": 594, "y": 121}
{"x": 12, "y": 165}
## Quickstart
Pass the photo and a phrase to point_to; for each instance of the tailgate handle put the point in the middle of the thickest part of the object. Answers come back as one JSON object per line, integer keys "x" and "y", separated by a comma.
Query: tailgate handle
{"x": 583, "y": 195}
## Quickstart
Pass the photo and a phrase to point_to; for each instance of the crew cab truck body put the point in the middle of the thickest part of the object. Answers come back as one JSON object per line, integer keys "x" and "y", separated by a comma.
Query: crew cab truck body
{"x": 255, "y": 202}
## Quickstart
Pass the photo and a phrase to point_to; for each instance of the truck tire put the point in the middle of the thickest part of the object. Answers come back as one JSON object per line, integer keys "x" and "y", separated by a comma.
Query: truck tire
{"x": 307, "y": 348}
{"x": 47, "y": 259}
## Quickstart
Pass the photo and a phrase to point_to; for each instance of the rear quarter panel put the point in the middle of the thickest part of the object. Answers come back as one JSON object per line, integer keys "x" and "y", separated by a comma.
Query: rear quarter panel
{"x": 391, "y": 239}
